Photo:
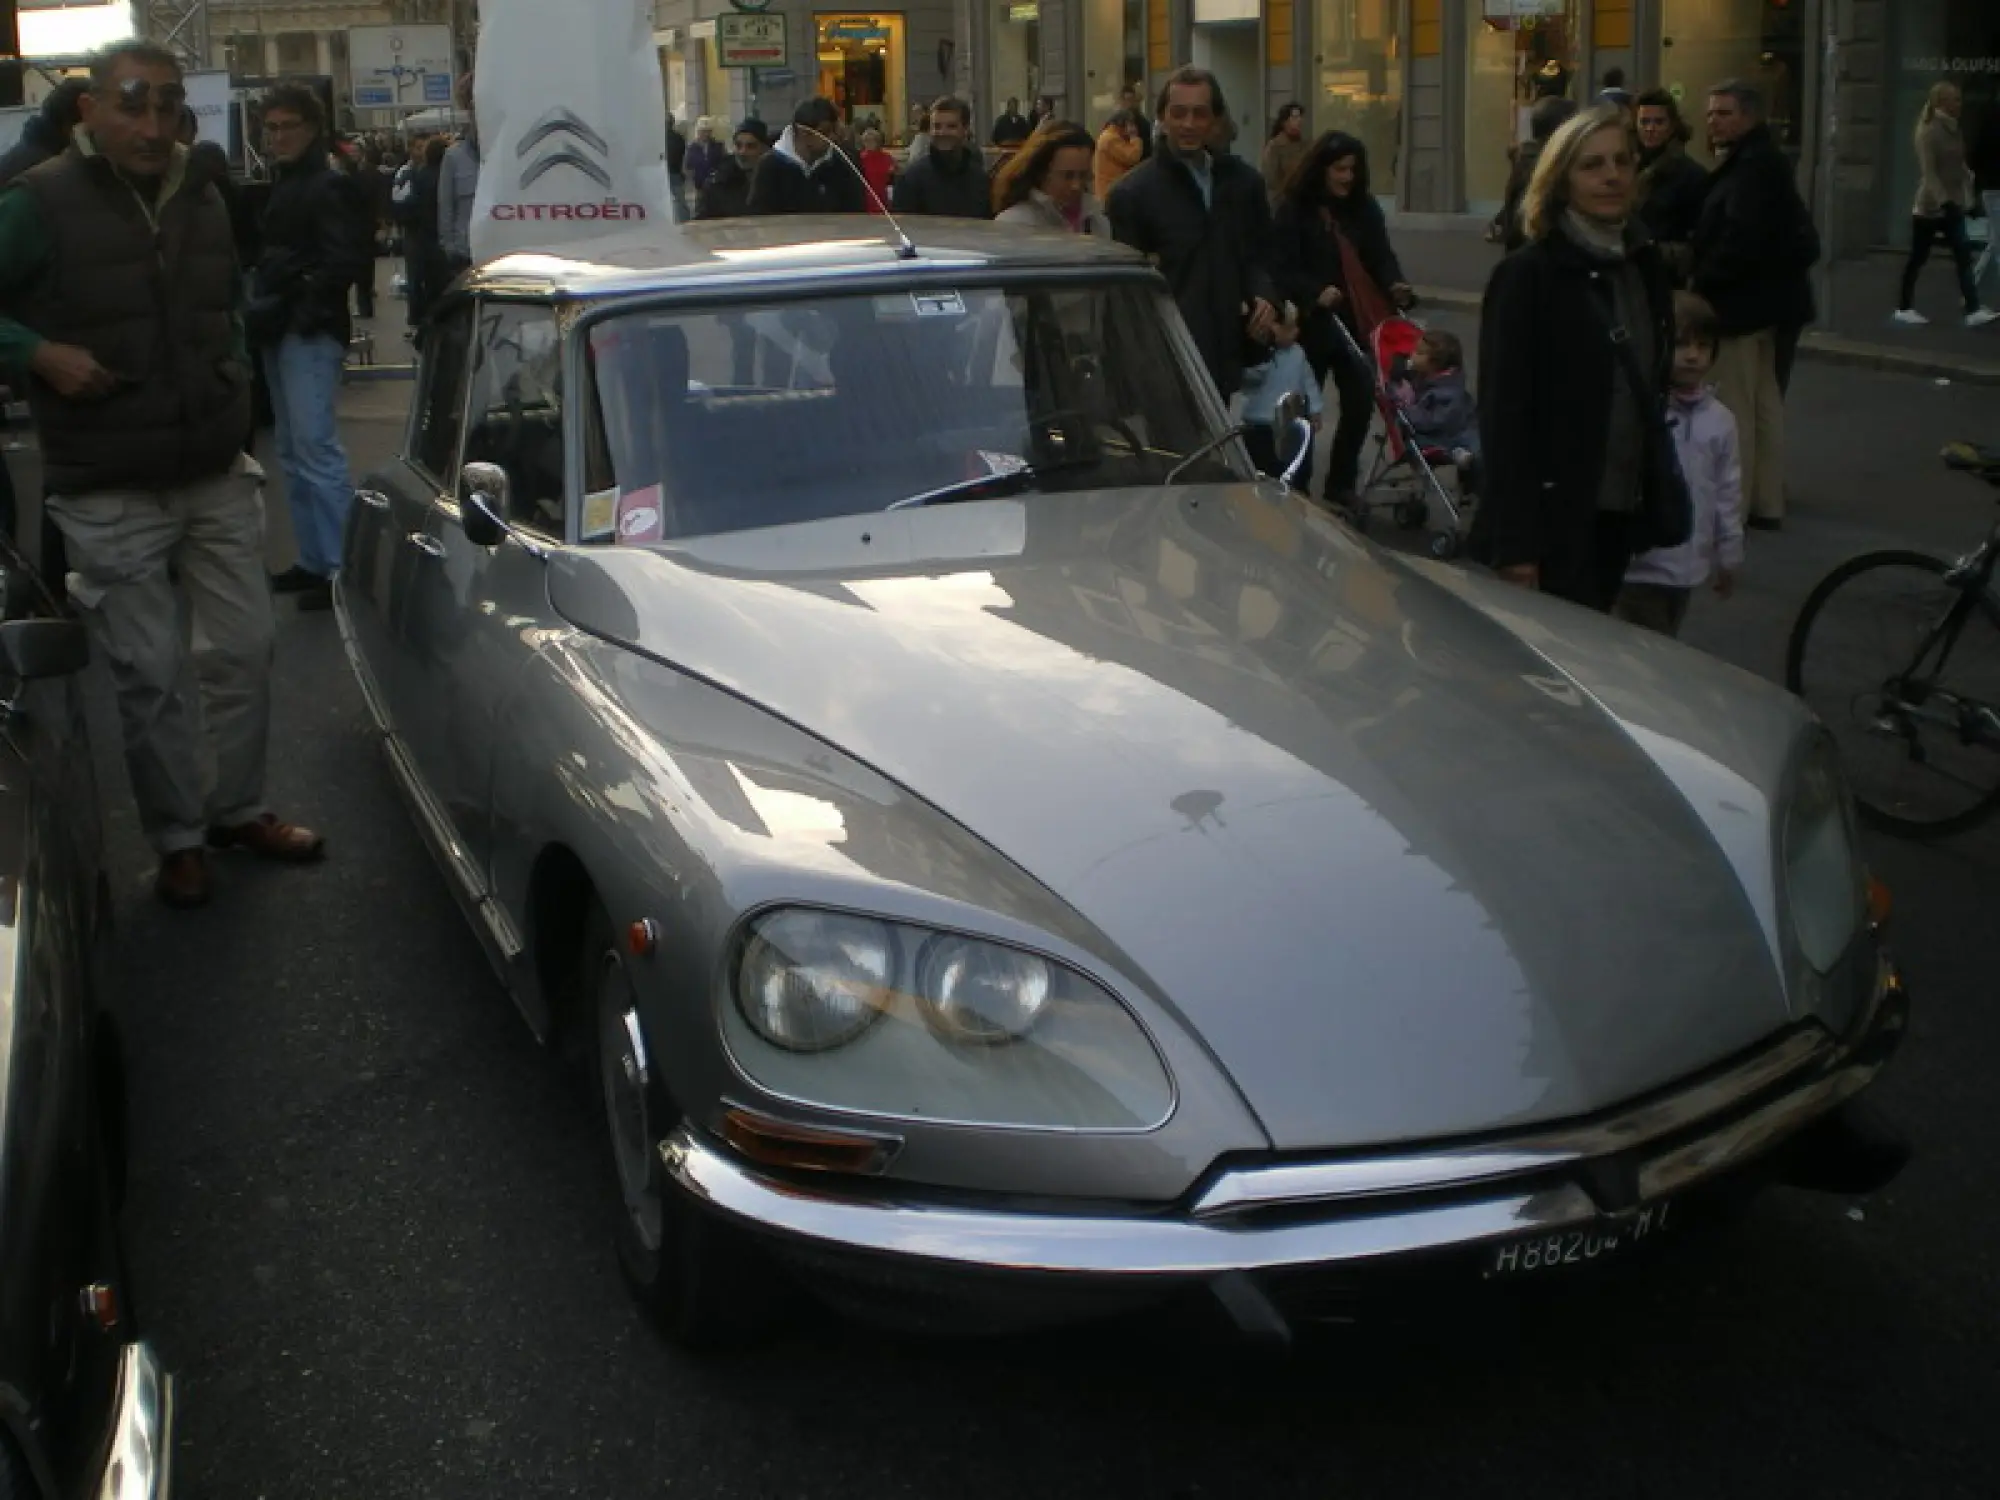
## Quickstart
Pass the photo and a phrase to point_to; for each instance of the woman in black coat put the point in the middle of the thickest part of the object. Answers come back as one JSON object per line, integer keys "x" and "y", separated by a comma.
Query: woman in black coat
{"x": 1327, "y": 203}
{"x": 1574, "y": 445}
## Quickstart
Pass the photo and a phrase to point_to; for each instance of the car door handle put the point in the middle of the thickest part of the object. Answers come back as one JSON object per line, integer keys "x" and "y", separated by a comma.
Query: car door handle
{"x": 423, "y": 541}
{"x": 373, "y": 499}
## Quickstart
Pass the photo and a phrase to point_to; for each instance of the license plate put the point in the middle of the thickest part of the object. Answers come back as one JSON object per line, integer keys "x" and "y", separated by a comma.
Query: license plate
{"x": 1577, "y": 1247}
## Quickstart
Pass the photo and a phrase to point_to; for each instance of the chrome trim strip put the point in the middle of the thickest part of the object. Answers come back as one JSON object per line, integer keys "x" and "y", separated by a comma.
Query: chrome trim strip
{"x": 1313, "y": 1182}
{"x": 1098, "y": 1246}
{"x": 1363, "y": 1230}
{"x": 139, "y": 1462}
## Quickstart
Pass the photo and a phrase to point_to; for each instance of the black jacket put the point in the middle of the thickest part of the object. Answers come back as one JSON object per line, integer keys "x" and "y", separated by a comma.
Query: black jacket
{"x": 316, "y": 247}
{"x": 960, "y": 189}
{"x": 783, "y": 186}
{"x": 1010, "y": 130}
{"x": 1513, "y": 234}
{"x": 38, "y": 144}
{"x": 1755, "y": 241}
{"x": 1306, "y": 261}
{"x": 677, "y": 153}
{"x": 726, "y": 194}
{"x": 1672, "y": 187}
{"x": 1216, "y": 257}
{"x": 1548, "y": 373}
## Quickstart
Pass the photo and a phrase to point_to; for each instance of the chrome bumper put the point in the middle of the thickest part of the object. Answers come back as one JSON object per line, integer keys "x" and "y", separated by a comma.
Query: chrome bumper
{"x": 1345, "y": 1212}
{"x": 139, "y": 1460}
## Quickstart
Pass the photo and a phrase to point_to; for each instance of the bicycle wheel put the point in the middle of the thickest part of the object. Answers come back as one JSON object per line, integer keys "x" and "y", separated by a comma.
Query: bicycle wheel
{"x": 1921, "y": 742}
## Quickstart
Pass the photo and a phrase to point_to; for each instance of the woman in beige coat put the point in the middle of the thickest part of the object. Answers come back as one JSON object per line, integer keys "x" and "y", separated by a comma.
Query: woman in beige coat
{"x": 1046, "y": 184}
{"x": 1944, "y": 197}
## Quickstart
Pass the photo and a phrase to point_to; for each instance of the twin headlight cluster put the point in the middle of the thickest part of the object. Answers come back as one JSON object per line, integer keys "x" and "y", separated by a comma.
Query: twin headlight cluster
{"x": 883, "y": 1018}
{"x": 1825, "y": 893}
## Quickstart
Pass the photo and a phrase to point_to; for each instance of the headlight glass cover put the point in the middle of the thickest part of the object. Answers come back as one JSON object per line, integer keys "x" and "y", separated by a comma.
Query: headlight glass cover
{"x": 895, "y": 1021}
{"x": 1826, "y": 887}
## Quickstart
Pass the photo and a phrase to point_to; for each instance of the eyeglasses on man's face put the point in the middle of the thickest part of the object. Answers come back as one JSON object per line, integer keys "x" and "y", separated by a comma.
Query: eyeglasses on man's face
{"x": 139, "y": 97}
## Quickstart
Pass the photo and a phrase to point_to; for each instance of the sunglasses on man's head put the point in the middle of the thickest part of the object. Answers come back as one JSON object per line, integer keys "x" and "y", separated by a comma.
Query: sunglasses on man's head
{"x": 136, "y": 96}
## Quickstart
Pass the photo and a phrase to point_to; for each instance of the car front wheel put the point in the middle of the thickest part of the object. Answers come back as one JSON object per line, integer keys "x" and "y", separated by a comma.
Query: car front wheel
{"x": 688, "y": 1271}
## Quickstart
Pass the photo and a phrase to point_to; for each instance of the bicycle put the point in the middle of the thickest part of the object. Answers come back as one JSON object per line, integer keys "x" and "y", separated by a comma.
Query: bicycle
{"x": 1914, "y": 701}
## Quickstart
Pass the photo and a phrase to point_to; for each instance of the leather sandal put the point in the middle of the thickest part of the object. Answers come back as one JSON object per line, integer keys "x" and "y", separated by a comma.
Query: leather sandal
{"x": 287, "y": 843}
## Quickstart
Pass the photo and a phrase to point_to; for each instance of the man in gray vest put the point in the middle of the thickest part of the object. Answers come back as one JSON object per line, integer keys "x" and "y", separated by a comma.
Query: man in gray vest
{"x": 119, "y": 291}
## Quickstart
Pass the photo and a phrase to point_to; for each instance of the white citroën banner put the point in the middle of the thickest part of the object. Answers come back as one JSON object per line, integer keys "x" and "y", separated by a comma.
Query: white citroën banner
{"x": 572, "y": 125}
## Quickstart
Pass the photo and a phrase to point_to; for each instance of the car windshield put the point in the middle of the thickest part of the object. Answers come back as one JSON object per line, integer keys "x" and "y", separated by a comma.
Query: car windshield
{"x": 722, "y": 419}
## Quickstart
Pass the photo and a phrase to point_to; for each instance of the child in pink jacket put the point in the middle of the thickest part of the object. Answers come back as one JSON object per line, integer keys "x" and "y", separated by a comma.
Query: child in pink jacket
{"x": 1660, "y": 583}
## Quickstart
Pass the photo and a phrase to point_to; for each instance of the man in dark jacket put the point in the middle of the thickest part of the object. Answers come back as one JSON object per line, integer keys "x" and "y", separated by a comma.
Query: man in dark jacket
{"x": 807, "y": 173}
{"x": 119, "y": 290}
{"x": 951, "y": 178}
{"x": 1753, "y": 246}
{"x": 1012, "y": 127}
{"x": 1547, "y": 117}
{"x": 727, "y": 192}
{"x": 46, "y": 135}
{"x": 314, "y": 253}
{"x": 1206, "y": 222}
{"x": 677, "y": 153}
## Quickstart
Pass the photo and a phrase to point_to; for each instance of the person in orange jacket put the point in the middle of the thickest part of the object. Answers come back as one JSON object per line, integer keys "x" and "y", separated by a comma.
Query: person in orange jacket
{"x": 1119, "y": 150}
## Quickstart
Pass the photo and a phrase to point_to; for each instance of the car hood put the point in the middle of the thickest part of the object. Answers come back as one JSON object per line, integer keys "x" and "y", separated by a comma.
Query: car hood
{"x": 1404, "y": 878}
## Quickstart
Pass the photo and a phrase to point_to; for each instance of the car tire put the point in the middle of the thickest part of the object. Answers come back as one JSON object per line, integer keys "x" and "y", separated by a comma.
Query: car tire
{"x": 694, "y": 1277}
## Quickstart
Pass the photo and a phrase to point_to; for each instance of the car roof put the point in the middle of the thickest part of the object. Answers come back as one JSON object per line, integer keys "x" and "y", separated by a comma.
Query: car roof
{"x": 789, "y": 249}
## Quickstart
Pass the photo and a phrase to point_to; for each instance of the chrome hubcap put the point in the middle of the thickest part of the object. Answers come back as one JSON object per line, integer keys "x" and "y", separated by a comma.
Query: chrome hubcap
{"x": 623, "y": 1064}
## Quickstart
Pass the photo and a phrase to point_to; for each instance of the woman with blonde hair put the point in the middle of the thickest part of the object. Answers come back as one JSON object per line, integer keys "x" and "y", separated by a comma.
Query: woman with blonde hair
{"x": 1046, "y": 184}
{"x": 1576, "y": 349}
{"x": 1944, "y": 199}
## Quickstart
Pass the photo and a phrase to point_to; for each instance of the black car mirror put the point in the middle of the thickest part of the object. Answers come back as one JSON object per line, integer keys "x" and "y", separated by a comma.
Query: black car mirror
{"x": 36, "y": 649}
{"x": 482, "y": 507}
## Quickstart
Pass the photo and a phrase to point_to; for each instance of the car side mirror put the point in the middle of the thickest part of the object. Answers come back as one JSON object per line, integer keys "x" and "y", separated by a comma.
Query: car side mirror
{"x": 38, "y": 649}
{"x": 482, "y": 509}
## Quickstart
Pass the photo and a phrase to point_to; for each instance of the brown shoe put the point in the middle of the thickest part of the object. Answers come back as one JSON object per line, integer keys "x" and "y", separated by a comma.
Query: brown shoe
{"x": 268, "y": 838}
{"x": 183, "y": 879}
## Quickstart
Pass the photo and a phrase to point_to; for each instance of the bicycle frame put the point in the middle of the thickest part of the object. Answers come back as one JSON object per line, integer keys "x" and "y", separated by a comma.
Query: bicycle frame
{"x": 1910, "y": 693}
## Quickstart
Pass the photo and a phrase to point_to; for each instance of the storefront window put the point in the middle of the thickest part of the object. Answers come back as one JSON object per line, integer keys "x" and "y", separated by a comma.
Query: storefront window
{"x": 1703, "y": 42}
{"x": 1361, "y": 81}
{"x": 1016, "y": 58}
{"x": 861, "y": 70}
{"x": 1938, "y": 41}
{"x": 1522, "y": 50}
{"x": 1114, "y": 54}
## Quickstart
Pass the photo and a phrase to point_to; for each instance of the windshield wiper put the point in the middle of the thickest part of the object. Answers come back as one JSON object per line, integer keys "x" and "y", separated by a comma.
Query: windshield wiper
{"x": 1203, "y": 452}
{"x": 980, "y": 486}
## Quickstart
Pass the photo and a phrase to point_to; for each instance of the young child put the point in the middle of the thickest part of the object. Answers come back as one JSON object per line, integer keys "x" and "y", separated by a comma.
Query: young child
{"x": 1660, "y": 582}
{"x": 1283, "y": 371}
{"x": 1441, "y": 409}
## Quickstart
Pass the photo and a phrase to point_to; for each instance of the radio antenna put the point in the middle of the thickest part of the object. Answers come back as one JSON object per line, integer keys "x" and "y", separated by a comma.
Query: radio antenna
{"x": 906, "y": 248}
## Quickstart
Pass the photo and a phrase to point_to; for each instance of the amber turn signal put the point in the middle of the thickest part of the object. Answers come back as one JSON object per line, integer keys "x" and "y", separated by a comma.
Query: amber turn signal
{"x": 99, "y": 1301}
{"x": 1879, "y": 904}
{"x": 780, "y": 1143}
{"x": 642, "y": 937}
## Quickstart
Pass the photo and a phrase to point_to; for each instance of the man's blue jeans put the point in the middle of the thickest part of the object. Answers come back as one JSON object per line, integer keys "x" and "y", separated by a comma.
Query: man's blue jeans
{"x": 304, "y": 376}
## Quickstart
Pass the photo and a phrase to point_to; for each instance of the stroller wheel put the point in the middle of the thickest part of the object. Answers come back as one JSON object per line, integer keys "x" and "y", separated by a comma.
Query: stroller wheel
{"x": 1412, "y": 515}
{"x": 1444, "y": 545}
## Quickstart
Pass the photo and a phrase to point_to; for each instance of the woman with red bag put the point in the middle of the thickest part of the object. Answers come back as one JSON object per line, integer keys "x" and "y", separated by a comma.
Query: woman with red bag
{"x": 1333, "y": 258}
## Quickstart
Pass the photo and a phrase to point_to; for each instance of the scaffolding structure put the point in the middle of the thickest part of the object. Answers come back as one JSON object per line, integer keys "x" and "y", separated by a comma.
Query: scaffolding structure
{"x": 182, "y": 27}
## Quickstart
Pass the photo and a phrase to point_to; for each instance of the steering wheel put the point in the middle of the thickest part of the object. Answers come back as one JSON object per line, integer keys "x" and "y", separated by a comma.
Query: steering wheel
{"x": 1095, "y": 420}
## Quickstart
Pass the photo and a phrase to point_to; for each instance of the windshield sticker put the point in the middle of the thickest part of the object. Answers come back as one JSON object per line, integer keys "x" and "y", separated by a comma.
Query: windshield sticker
{"x": 639, "y": 519}
{"x": 1002, "y": 463}
{"x": 938, "y": 304}
{"x": 600, "y": 515}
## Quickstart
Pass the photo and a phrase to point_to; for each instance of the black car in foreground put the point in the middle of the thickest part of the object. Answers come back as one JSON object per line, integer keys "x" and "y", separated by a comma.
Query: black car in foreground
{"x": 85, "y": 1409}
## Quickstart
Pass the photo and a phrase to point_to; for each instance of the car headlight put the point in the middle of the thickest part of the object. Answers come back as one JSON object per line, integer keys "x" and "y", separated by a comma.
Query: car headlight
{"x": 981, "y": 992}
{"x": 882, "y": 1018}
{"x": 814, "y": 979}
{"x": 1826, "y": 887}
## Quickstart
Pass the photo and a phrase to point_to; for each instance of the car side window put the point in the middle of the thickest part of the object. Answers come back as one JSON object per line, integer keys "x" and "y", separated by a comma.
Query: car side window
{"x": 516, "y": 418}
{"x": 438, "y": 418}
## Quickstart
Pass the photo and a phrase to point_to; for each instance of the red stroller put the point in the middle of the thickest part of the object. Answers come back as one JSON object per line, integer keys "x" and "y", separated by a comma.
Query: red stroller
{"x": 1403, "y": 477}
